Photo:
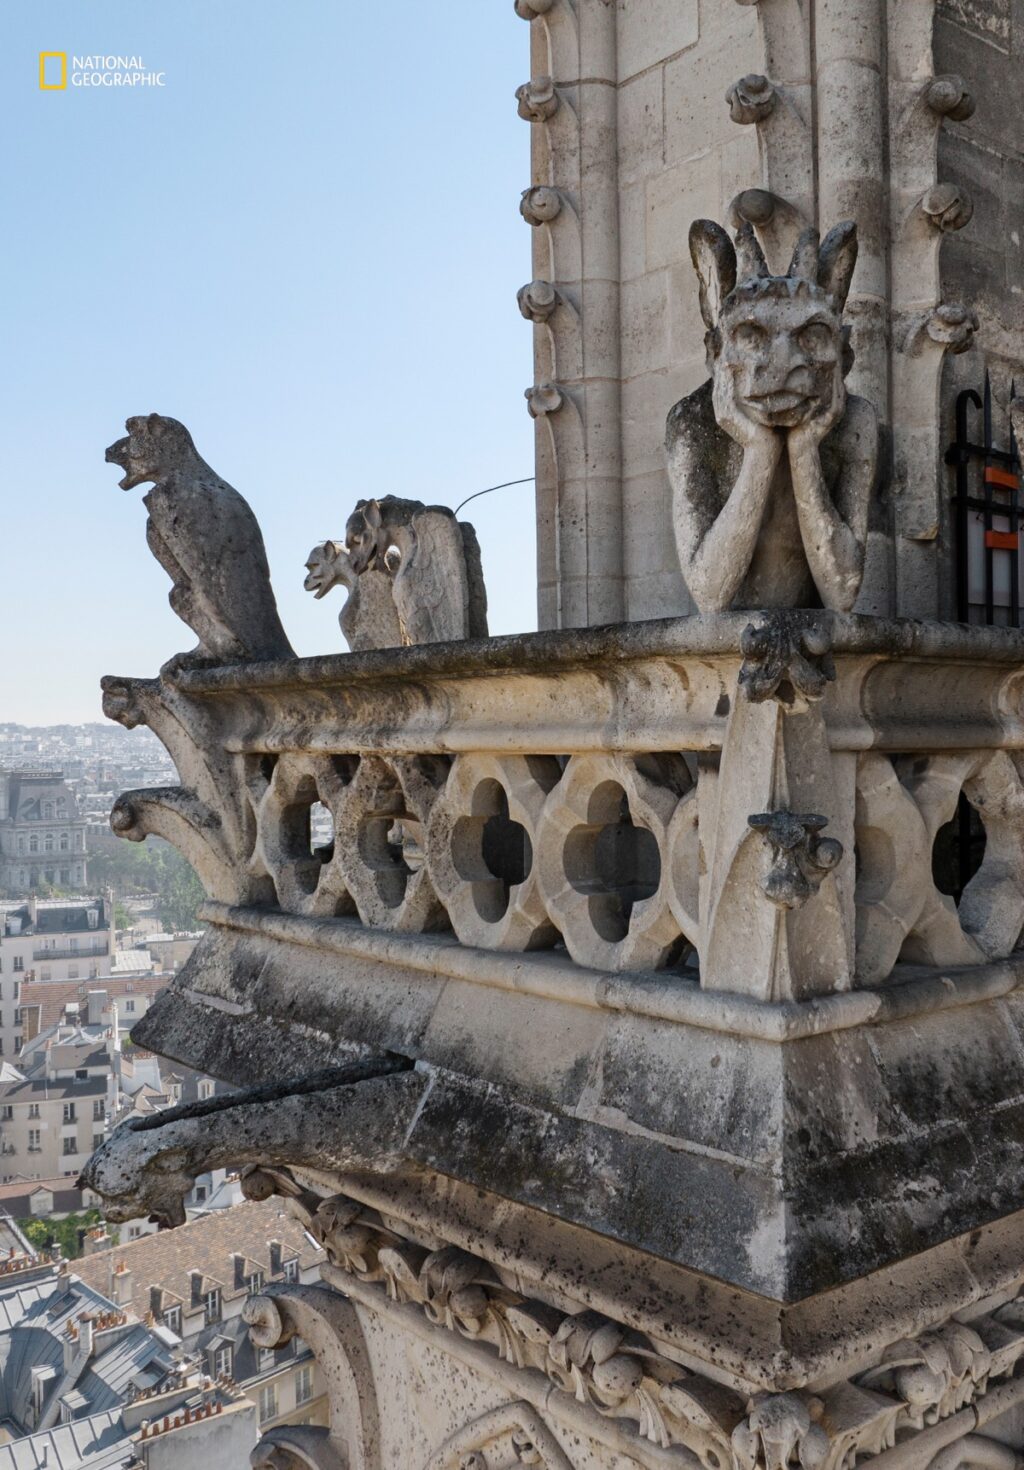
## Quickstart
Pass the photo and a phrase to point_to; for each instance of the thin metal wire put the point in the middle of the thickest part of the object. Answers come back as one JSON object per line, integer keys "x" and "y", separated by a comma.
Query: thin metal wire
{"x": 503, "y": 486}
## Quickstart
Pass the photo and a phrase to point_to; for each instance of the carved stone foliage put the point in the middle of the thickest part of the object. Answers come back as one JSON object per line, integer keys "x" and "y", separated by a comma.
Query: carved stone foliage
{"x": 537, "y": 99}
{"x": 800, "y": 859}
{"x": 786, "y": 659}
{"x": 622, "y": 1375}
{"x": 751, "y": 99}
{"x": 503, "y": 1439}
{"x": 540, "y": 204}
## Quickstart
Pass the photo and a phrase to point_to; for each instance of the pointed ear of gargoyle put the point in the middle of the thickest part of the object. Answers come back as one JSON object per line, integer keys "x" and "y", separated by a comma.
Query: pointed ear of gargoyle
{"x": 714, "y": 259}
{"x": 806, "y": 263}
{"x": 837, "y": 260}
{"x": 750, "y": 258}
{"x": 371, "y": 513}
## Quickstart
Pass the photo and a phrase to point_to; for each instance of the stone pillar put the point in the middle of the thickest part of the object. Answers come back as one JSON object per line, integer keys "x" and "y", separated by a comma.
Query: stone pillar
{"x": 573, "y": 301}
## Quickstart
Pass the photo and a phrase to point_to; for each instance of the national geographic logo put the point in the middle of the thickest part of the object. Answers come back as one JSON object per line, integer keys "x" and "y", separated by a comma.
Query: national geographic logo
{"x": 95, "y": 71}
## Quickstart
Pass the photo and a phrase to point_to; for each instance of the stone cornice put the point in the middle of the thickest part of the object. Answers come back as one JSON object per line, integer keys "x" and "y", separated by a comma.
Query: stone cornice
{"x": 622, "y": 1375}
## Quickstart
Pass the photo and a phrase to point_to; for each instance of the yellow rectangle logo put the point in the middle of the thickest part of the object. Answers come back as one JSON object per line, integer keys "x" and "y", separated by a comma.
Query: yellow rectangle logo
{"x": 44, "y": 57}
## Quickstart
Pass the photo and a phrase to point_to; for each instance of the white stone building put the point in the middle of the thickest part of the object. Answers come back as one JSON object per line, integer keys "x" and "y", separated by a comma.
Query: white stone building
{"x": 50, "y": 940}
{"x": 42, "y": 832}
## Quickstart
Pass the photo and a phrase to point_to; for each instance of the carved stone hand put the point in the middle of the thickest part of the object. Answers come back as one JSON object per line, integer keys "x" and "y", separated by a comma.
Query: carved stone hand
{"x": 815, "y": 429}
{"x": 738, "y": 425}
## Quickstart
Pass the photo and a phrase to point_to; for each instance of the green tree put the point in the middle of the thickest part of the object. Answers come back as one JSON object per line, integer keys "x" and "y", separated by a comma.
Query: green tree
{"x": 44, "y": 1234}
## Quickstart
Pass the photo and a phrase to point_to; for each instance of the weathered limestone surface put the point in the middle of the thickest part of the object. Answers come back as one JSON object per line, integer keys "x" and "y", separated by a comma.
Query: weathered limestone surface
{"x": 783, "y": 115}
{"x": 646, "y": 1045}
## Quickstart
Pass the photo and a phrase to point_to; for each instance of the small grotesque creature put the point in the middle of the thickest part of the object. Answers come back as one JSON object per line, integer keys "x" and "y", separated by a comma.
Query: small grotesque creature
{"x": 772, "y": 463}
{"x": 205, "y": 536}
{"x": 431, "y": 559}
{"x": 369, "y": 618}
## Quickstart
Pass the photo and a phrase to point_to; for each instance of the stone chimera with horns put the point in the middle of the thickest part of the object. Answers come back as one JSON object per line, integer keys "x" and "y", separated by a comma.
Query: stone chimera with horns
{"x": 772, "y": 462}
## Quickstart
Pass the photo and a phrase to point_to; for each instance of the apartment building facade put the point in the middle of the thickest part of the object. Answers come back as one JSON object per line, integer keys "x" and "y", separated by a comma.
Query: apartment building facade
{"x": 50, "y": 940}
{"x": 42, "y": 832}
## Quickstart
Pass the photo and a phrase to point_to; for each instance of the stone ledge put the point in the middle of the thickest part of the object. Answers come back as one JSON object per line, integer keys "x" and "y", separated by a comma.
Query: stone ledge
{"x": 912, "y": 991}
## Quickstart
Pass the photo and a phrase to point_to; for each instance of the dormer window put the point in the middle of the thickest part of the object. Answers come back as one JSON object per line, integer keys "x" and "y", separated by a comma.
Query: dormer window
{"x": 211, "y": 1307}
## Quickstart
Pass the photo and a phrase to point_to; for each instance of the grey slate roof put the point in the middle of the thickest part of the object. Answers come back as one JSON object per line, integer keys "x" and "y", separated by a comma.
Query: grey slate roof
{"x": 96, "y": 1443}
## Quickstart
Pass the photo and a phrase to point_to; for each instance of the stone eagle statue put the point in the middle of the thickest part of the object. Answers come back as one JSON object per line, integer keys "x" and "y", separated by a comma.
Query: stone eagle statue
{"x": 205, "y": 536}
{"x": 429, "y": 563}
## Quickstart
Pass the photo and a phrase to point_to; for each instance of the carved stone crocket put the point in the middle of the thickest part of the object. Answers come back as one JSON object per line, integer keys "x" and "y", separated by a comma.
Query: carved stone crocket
{"x": 205, "y": 536}
{"x": 772, "y": 463}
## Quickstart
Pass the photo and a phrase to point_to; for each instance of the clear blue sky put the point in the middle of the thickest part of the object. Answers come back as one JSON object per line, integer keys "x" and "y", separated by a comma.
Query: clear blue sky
{"x": 306, "y": 247}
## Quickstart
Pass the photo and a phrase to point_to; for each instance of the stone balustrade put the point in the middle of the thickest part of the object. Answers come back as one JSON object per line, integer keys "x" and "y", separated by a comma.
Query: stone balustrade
{"x": 758, "y": 803}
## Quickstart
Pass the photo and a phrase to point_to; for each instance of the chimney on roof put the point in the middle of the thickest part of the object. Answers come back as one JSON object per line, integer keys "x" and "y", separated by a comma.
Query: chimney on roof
{"x": 196, "y": 1279}
{"x": 32, "y": 908}
{"x": 97, "y": 1004}
{"x": 122, "y": 1285}
{"x": 96, "y": 1240}
{"x": 275, "y": 1257}
{"x": 240, "y": 1272}
{"x": 85, "y": 1337}
{"x": 156, "y": 1300}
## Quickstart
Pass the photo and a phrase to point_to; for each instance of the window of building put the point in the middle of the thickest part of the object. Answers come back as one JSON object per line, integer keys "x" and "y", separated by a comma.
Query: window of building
{"x": 97, "y": 1141}
{"x": 19, "y": 964}
{"x": 129, "y": 1005}
{"x": 45, "y": 974}
{"x": 33, "y": 1110}
{"x": 72, "y": 943}
{"x": 17, "y": 985}
{"x": 99, "y": 1110}
{"x": 211, "y": 1307}
{"x": 34, "y": 1140}
{"x": 172, "y": 1320}
{"x": 48, "y": 842}
{"x": 268, "y": 1403}
{"x": 65, "y": 842}
{"x": 70, "y": 1146}
{"x": 304, "y": 1384}
{"x": 33, "y": 843}
{"x": 291, "y": 1269}
{"x": 200, "y": 1194}
{"x": 69, "y": 1113}
{"x": 6, "y": 1112}
{"x": 255, "y": 1283}
{"x": 47, "y": 811}
{"x": 265, "y": 1359}
{"x": 222, "y": 1362}
{"x": 205, "y": 1090}
{"x": 17, "y": 1017}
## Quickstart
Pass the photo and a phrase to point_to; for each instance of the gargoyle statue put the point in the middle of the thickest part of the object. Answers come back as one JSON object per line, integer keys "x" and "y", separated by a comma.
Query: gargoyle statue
{"x": 772, "y": 463}
{"x": 353, "y": 1116}
{"x": 431, "y": 559}
{"x": 369, "y": 618}
{"x": 205, "y": 536}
